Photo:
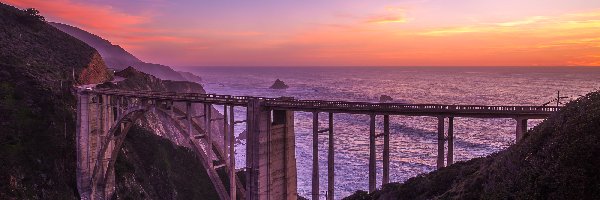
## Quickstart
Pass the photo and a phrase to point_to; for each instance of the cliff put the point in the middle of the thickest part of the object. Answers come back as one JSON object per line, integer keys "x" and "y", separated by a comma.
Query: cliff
{"x": 557, "y": 159}
{"x": 38, "y": 66}
{"x": 118, "y": 58}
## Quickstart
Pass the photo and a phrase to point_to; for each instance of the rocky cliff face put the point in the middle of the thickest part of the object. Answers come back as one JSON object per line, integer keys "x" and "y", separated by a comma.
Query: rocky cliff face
{"x": 38, "y": 66}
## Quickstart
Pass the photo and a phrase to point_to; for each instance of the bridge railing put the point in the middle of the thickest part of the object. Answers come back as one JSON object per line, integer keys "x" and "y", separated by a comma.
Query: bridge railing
{"x": 288, "y": 102}
{"x": 395, "y": 106}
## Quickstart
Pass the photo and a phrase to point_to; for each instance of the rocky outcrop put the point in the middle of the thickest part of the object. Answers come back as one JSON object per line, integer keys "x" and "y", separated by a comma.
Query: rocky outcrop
{"x": 279, "y": 85}
{"x": 94, "y": 72}
{"x": 385, "y": 98}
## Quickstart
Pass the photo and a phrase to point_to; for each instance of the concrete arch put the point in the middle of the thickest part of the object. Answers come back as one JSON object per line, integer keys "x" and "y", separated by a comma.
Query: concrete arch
{"x": 103, "y": 177}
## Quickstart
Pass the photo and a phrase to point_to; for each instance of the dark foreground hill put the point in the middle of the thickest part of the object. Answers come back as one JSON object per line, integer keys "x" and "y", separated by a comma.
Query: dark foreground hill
{"x": 557, "y": 159}
{"x": 38, "y": 65}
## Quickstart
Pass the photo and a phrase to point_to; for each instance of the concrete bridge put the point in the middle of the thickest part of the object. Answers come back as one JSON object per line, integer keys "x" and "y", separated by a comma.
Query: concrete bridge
{"x": 105, "y": 116}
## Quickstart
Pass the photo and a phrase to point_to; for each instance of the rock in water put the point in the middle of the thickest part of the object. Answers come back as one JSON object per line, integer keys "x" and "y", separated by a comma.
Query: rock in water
{"x": 385, "y": 98}
{"x": 279, "y": 85}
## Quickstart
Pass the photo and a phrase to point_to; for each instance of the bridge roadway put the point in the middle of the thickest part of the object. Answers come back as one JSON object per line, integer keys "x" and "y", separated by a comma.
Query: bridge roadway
{"x": 271, "y": 143}
{"x": 287, "y": 103}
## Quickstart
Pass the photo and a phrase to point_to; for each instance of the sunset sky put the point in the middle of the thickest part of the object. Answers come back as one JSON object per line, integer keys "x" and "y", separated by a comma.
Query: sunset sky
{"x": 341, "y": 32}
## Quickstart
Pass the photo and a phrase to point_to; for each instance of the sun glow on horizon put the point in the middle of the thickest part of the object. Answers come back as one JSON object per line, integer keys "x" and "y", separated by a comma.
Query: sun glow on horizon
{"x": 342, "y": 33}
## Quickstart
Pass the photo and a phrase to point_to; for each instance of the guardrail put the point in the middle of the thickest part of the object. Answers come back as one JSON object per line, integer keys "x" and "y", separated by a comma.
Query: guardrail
{"x": 288, "y": 102}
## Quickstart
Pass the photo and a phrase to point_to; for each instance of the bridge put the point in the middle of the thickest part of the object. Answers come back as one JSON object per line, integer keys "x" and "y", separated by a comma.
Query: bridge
{"x": 104, "y": 117}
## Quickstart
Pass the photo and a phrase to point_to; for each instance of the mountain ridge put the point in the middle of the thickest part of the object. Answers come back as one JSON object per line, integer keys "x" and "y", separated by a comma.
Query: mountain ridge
{"x": 118, "y": 58}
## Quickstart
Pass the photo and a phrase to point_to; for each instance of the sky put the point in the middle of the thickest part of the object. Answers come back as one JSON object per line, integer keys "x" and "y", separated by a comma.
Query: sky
{"x": 341, "y": 32}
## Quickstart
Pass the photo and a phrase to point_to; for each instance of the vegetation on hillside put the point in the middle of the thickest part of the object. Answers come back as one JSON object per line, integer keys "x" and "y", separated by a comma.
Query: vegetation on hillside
{"x": 38, "y": 65}
{"x": 150, "y": 167}
{"x": 557, "y": 159}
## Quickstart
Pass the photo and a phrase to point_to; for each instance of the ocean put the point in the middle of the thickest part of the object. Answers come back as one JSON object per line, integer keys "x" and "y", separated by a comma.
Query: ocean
{"x": 413, "y": 140}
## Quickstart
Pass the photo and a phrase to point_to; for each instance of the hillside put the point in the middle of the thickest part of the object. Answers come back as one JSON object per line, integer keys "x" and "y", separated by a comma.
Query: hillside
{"x": 118, "y": 58}
{"x": 558, "y": 159}
{"x": 38, "y": 66}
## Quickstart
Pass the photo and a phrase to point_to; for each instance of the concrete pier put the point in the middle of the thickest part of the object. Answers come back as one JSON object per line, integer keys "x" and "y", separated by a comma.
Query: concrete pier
{"x": 386, "y": 150}
{"x": 315, "y": 168}
{"x": 330, "y": 161}
{"x": 372, "y": 157}
{"x": 232, "y": 175}
{"x": 450, "y": 158}
{"x": 521, "y": 128}
{"x": 441, "y": 141}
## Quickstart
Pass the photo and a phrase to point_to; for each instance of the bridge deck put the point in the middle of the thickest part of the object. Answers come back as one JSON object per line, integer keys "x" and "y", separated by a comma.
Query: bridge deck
{"x": 286, "y": 103}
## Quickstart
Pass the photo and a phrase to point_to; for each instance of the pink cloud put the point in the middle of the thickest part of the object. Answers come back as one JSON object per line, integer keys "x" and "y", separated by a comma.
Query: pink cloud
{"x": 85, "y": 16}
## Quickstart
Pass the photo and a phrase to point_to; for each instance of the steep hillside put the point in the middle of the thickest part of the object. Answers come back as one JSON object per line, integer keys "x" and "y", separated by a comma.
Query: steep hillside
{"x": 150, "y": 167}
{"x": 38, "y": 66}
{"x": 557, "y": 159}
{"x": 117, "y": 57}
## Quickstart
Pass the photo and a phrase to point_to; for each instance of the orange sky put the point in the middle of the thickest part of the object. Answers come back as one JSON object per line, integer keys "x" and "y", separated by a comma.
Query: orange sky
{"x": 342, "y": 33}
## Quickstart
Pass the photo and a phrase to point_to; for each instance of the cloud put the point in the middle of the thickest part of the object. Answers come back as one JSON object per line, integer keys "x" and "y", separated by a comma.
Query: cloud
{"x": 85, "y": 16}
{"x": 386, "y": 19}
{"x": 530, "y": 20}
{"x": 392, "y": 14}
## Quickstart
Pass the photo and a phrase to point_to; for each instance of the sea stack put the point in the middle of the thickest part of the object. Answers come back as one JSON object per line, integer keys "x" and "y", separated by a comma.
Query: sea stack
{"x": 385, "y": 98}
{"x": 279, "y": 85}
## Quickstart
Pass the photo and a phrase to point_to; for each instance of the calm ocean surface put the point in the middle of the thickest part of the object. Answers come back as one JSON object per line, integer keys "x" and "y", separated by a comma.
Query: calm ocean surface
{"x": 413, "y": 139}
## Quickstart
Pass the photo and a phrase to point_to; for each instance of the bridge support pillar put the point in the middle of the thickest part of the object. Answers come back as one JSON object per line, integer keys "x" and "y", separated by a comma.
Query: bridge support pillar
{"x": 521, "y": 129}
{"x": 441, "y": 140}
{"x": 450, "y": 141}
{"x": 330, "y": 161}
{"x": 270, "y": 158}
{"x": 84, "y": 172}
{"x": 372, "y": 156}
{"x": 95, "y": 147}
{"x": 386, "y": 150}
{"x": 231, "y": 133}
{"x": 315, "y": 169}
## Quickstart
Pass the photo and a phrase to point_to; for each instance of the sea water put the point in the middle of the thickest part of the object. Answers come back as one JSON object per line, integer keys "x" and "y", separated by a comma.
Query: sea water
{"x": 413, "y": 140}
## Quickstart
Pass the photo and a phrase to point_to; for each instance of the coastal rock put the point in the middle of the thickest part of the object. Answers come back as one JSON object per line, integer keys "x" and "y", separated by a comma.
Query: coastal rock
{"x": 385, "y": 98}
{"x": 279, "y": 85}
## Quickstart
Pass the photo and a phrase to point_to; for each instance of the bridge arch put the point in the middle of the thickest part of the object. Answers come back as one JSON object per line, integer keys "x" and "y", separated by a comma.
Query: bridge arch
{"x": 98, "y": 181}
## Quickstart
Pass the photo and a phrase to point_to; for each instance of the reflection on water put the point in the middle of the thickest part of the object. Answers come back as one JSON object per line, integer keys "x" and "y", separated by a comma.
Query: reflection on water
{"x": 413, "y": 139}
